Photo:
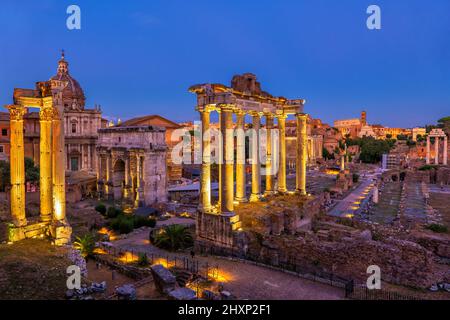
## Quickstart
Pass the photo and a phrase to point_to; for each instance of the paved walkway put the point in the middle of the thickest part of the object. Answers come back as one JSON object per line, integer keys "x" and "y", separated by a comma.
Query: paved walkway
{"x": 247, "y": 281}
{"x": 347, "y": 205}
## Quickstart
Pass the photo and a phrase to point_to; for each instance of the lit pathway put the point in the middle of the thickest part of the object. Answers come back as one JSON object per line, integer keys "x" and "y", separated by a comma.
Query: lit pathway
{"x": 350, "y": 204}
{"x": 247, "y": 281}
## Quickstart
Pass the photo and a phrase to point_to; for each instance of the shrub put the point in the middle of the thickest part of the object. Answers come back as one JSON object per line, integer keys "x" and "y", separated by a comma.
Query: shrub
{"x": 174, "y": 237}
{"x": 101, "y": 208}
{"x": 426, "y": 167}
{"x": 125, "y": 226}
{"x": 438, "y": 228}
{"x": 113, "y": 212}
{"x": 122, "y": 224}
{"x": 86, "y": 245}
{"x": 140, "y": 221}
{"x": 142, "y": 260}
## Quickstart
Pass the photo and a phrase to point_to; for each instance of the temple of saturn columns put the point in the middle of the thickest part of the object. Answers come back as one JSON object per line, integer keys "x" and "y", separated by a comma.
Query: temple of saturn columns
{"x": 217, "y": 223}
{"x": 47, "y": 97}
{"x": 437, "y": 134}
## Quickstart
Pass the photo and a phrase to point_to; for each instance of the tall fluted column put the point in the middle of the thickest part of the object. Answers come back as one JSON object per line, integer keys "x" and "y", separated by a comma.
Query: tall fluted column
{"x": 240, "y": 157}
{"x": 58, "y": 174}
{"x": 17, "y": 163}
{"x": 100, "y": 181}
{"x": 227, "y": 175}
{"x": 256, "y": 173}
{"x": 282, "y": 169}
{"x": 139, "y": 182}
{"x": 428, "y": 149}
{"x": 108, "y": 184}
{"x": 445, "y": 151}
{"x": 127, "y": 188}
{"x": 436, "y": 150}
{"x": 138, "y": 179}
{"x": 269, "y": 173}
{"x": 302, "y": 155}
{"x": 205, "y": 187}
{"x": 45, "y": 163}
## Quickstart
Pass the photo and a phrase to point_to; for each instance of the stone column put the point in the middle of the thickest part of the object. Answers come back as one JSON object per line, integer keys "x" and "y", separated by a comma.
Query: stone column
{"x": 240, "y": 155}
{"x": 445, "y": 151}
{"x": 45, "y": 174}
{"x": 17, "y": 163}
{"x": 205, "y": 183}
{"x": 256, "y": 173}
{"x": 428, "y": 149}
{"x": 58, "y": 174}
{"x": 227, "y": 168}
{"x": 108, "y": 183}
{"x": 302, "y": 155}
{"x": 282, "y": 169}
{"x": 342, "y": 162}
{"x": 100, "y": 181}
{"x": 139, "y": 187}
{"x": 269, "y": 173}
{"x": 436, "y": 150}
{"x": 127, "y": 188}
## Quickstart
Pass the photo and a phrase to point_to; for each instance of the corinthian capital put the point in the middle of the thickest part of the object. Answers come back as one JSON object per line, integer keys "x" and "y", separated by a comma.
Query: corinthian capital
{"x": 16, "y": 112}
{"x": 47, "y": 114}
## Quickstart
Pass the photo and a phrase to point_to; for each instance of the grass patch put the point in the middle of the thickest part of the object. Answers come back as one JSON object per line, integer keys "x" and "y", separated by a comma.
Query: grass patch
{"x": 438, "y": 228}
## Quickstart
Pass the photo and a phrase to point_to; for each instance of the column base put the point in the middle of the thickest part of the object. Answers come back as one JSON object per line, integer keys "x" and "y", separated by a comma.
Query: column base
{"x": 205, "y": 209}
{"x": 241, "y": 200}
{"x": 61, "y": 233}
{"x": 283, "y": 191}
{"x": 301, "y": 192}
{"x": 255, "y": 197}
{"x": 269, "y": 193}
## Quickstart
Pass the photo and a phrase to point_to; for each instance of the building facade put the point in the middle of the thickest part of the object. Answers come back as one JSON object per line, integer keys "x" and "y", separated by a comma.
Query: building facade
{"x": 131, "y": 165}
{"x": 80, "y": 125}
{"x": 174, "y": 171}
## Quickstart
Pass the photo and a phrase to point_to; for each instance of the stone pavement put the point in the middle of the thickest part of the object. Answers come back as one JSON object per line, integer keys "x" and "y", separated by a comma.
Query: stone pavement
{"x": 347, "y": 205}
{"x": 247, "y": 281}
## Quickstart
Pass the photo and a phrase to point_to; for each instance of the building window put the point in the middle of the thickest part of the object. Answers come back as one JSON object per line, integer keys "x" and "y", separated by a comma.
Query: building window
{"x": 4, "y": 132}
{"x": 1, "y": 149}
{"x": 74, "y": 128}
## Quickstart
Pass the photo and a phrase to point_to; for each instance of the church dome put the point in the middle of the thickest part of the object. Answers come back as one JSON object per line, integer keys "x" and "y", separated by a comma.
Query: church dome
{"x": 73, "y": 95}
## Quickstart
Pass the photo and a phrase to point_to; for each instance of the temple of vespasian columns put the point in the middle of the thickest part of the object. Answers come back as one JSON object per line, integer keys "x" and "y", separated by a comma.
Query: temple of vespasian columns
{"x": 218, "y": 223}
{"x": 47, "y": 97}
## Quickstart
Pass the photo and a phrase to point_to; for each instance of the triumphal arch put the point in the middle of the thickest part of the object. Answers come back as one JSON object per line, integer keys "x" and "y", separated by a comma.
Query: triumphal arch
{"x": 47, "y": 97}
{"x": 217, "y": 223}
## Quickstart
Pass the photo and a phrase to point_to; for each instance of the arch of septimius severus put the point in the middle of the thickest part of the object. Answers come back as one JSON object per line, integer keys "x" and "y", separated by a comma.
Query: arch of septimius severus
{"x": 217, "y": 223}
{"x": 47, "y": 97}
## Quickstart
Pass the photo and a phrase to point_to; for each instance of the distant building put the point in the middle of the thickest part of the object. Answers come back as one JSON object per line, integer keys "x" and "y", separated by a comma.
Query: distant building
{"x": 351, "y": 127}
{"x": 367, "y": 131}
{"x": 418, "y": 132}
{"x": 132, "y": 164}
{"x": 174, "y": 171}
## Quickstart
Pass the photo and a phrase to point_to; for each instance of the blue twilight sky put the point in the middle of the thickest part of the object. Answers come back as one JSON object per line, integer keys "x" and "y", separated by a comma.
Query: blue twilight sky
{"x": 140, "y": 57}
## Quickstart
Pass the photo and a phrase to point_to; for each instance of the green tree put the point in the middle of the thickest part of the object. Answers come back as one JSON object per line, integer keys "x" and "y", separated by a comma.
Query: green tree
{"x": 5, "y": 178}
{"x": 372, "y": 149}
{"x": 173, "y": 237}
{"x": 31, "y": 171}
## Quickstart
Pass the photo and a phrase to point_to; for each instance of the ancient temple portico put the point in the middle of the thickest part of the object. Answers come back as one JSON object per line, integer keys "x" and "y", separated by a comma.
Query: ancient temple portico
{"x": 217, "y": 222}
{"x": 48, "y": 99}
{"x": 437, "y": 134}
